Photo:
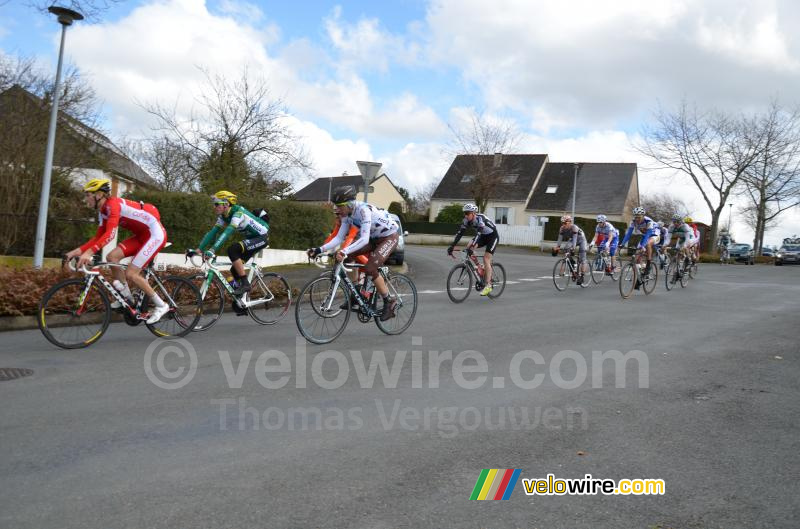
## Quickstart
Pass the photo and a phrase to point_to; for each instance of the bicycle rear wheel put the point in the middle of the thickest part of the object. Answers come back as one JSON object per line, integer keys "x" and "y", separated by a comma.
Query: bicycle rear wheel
{"x": 317, "y": 313}
{"x": 70, "y": 320}
{"x": 627, "y": 280}
{"x": 498, "y": 280}
{"x": 459, "y": 283}
{"x": 671, "y": 274}
{"x": 185, "y": 307}
{"x": 693, "y": 271}
{"x": 276, "y": 294}
{"x": 212, "y": 296}
{"x": 585, "y": 269}
{"x": 405, "y": 292}
{"x": 561, "y": 274}
{"x": 598, "y": 270}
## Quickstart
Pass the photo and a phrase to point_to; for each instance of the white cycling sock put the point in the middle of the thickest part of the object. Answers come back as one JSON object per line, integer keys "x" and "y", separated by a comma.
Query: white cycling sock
{"x": 158, "y": 301}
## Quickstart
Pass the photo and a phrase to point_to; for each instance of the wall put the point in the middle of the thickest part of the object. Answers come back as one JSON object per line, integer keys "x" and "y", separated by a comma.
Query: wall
{"x": 384, "y": 194}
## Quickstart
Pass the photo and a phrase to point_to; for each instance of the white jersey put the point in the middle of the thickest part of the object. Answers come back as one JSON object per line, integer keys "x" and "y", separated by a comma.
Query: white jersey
{"x": 372, "y": 223}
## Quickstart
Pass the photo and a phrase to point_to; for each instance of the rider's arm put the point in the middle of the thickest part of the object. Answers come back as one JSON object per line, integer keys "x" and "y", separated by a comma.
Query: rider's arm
{"x": 627, "y": 235}
{"x": 363, "y": 233}
{"x": 107, "y": 231}
{"x": 460, "y": 232}
{"x": 575, "y": 235}
{"x": 210, "y": 236}
{"x": 344, "y": 227}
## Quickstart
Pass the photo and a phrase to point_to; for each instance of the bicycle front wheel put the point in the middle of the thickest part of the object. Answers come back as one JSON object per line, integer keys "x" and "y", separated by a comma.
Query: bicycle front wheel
{"x": 185, "y": 307}
{"x": 693, "y": 271}
{"x": 72, "y": 317}
{"x": 627, "y": 280}
{"x": 317, "y": 311}
{"x": 598, "y": 270}
{"x": 212, "y": 296}
{"x": 459, "y": 283}
{"x": 561, "y": 274}
{"x": 498, "y": 280}
{"x": 671, "y": 274}
{"x": 272, "y": 295}
{"x": 405, "y": 292}
{"x": 650, "y": 278}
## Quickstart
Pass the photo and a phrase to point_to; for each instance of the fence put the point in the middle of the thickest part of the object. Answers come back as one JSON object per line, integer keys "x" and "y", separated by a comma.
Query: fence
{"x": 509, "y": 234}
{"x": 520, "y": 235}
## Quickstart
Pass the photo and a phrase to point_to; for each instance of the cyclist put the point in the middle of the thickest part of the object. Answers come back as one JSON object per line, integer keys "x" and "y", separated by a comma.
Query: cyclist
{"x": 231, "y": 216}
{"x": 485, "y": 235}
{"x": 645, "y": 226}
{"x": 607, "y": 236}
{"x": 696, "y": 240}
{"x": 574, "y": 238}
{"x": 685, "y": 236}
{"x": 723, "y": 242}
{"x": 358, "y": 275}
{"x": 149, "y": 237}
{"x": 663, "y": 231}
{"x": 377, "y": 238}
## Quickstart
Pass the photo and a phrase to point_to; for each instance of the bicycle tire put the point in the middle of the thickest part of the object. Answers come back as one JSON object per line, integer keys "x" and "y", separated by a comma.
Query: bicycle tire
{"x": 498, "y": 286}
{"x": 212, "y": 299}
{"x": 271, "y": 312}
{"x": 684, "y": 276}
{"x": 693, "y": 269}
{"x": 650, "y": 280}
{"x": 615, "y": 271}
{"x": 585, "y": 269}
{"x": 57, "y": 303}
{"x": 455, "y": 283}
{"x": 561, "y": 275}
{"x": 598, "y": 270}
{"x": 185, "y": 310}
{"x": 405, "y": 291}
{"x": 627, "y": 280}
{"x": 310, "y": 304}
{"x": 670, "y": 274}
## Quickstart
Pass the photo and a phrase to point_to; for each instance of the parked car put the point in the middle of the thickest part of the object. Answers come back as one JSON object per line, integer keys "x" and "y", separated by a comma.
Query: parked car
{"x": 766, "y": 251}
{"x": 741, "y": 252}
{"x": 399, "y": 253}
{"x": 789, "y": 253}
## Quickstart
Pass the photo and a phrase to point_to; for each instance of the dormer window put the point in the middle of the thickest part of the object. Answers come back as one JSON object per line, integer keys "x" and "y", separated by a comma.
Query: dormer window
{"x": 510, "y": 178}
{"x": 467, "y": 178}
{"x": 551, "y": 189}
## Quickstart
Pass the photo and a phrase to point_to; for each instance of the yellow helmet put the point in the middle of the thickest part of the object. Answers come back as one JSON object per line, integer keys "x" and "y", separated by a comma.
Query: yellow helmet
{"x": 688, "y": 220}
{"x": 227, "y": 196}
{"x": 97, "y": 184}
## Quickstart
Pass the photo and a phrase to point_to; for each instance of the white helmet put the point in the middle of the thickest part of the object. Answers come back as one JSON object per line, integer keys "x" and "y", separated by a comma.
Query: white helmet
{"x": 469, "y": 208}
{"x": 566, "y": 218}
{"x": 602, "y": 218}
{"x": 677, "y": 218}
{"x": 638, "y": 210}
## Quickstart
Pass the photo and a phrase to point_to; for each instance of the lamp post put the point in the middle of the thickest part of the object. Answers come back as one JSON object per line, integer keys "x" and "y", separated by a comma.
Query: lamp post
{"x": 730, "y": 210}
{"x": 65, "y": 17}
{"x": 574, "y": 189}
{"x": 368, "y": 170}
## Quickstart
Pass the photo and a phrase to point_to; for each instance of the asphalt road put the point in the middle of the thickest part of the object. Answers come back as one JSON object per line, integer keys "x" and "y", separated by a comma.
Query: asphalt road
{"x": 707, "y": 401}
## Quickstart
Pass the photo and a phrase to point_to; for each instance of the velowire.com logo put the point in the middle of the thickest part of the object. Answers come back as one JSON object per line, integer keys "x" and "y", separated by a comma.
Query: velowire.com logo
{"x": 495, "y": 484}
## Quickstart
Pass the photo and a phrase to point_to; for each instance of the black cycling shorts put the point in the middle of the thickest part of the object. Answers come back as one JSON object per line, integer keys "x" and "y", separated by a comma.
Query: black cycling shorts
{"x": 247, "y": 248}
{"x": 490, "y": 241}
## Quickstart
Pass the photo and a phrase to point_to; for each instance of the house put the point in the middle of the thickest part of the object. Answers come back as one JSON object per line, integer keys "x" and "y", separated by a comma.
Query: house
{"x": 382, "y": 192}
{"x": 530, "y": 187}
{"x": 81, "y": 149}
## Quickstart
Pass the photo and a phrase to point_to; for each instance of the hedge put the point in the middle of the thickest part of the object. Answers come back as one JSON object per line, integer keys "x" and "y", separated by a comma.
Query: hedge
{"x": 189, "y": 216}
{"x": 587, "y": 224}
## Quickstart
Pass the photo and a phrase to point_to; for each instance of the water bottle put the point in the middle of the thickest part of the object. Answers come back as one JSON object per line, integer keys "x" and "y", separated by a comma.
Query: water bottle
{"x": 366, "y": 290}
{"x": 123, "y": 289}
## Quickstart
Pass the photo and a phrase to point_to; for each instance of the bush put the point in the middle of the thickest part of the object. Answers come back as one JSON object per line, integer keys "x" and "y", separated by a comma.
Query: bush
{"x": 587, "y": 224}
{"x": 452, "y": 213}
{"x": 397, "y": 209}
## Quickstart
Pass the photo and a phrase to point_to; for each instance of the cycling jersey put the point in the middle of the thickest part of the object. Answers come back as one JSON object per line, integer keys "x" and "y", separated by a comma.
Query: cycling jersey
{"x": 351, "y": 235}
{"x": 663, "y": 232}
{"x": 482, "y": 225}
{"x": 372, "y": 223}
{"x": 574, "y": 235}
{"x": 724, "y": 241}
{"x": 684, "y": 233}
{"x": 646, "y": 227}
{"x": 237, "y": 219}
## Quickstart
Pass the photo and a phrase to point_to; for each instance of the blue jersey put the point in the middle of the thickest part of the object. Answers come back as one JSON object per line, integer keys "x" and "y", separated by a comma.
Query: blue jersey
{"x": 646, "y": 227}
{"x": 608, "y": 231}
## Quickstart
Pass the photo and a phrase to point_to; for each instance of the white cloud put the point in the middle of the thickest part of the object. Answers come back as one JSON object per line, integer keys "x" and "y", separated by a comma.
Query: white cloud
{"x": 415, "y": 165}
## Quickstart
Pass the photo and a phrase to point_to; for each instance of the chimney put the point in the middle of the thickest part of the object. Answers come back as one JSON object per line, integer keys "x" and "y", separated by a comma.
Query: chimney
{"x": 498, "y": 159}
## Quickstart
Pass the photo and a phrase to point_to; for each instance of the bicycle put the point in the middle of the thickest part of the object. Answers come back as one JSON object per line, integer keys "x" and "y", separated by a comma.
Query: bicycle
{"x": 267, "y": 302}
{"x": 661, "y": 257}
{"x": 633, "y": 276}
{"x": 565, "y": 271}
{"x": 675, "y": 271}
{"x": 724, "y": 256}
{"x": 462, "y": 275}
{"x": 76, "y": 312}
{"x": 324, "y": 305}
{"x": 601, "y": 267}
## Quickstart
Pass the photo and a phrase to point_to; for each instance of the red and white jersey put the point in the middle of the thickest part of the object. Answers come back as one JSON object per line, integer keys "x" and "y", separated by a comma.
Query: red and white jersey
{"x": 117, "y": 212}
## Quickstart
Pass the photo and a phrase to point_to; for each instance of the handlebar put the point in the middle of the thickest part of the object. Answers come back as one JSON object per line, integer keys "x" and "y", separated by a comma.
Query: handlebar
{"x": 317, "y": 261}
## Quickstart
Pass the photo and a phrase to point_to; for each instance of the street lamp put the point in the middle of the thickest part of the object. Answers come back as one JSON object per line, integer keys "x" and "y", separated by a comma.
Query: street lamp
{"x": 730, "y": 209}
{"x": 368, "y": 170}
{"x": 65, "y": 17}
{"x": 574, "y": 189}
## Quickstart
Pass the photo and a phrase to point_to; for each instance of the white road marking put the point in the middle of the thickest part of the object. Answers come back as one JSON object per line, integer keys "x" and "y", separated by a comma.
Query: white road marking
{"x": 527, "y": 279}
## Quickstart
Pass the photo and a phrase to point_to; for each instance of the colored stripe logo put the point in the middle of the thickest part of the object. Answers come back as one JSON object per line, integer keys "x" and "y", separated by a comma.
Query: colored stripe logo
{"x": 495, "y": 484}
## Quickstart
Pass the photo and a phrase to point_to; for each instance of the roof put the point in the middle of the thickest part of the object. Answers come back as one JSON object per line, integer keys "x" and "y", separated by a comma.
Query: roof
{"x": 317, "y": 191}
{"x": 601, "y": 187}
{"x": 527, "y": 166}
{"x": 118, "y": 162}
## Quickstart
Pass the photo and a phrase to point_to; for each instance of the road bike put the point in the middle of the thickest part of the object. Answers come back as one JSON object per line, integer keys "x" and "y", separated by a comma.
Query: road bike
{"x": 636, "y": 274}
{"x": 565, "y": 271}
{"x": 724, "y": 255}
{"x": 324, "y": 305}
{"x": 267, "y": 302}
{"x": 468, "y": 272}
{"x": 675, "y": 271}
{"x": 76, "y": 312}
{"x": 601, "y": 267}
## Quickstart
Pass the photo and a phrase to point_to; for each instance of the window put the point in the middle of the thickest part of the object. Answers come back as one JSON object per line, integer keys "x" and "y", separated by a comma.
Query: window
{"x": 501, "y": 215}
{"x": 467, "y": 178}
{"x": 551, "y": 189}
{"x": 510, "y": 178}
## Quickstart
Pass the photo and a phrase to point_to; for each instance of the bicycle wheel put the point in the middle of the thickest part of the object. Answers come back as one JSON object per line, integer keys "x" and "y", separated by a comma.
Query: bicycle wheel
{"x": 405, "y": 292}
{"x": 498, "y": 280}
{"x": 70, "y": 320}
{"x": 615, "y": 270}
{"x": 185, "y": 307}
{"x": 561, "y": 274}
{"x": 585, "y": 268}
{"x": 650, "y": 278}
{"x": 627, "y": 280}
{"x": 598, "y": 270}
{"x": 459, "y": 283}
{"x": 212, "y": 296}
{"x": 274, "y": 296}
{"x": 317, "y": 313}
{"x": 684, "y": 276}
{"x": 671, "y": 274}
{"x": 693, "y": 271}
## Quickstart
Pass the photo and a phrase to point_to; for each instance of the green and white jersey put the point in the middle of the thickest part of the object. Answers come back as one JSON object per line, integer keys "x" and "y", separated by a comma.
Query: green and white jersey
{"x": 238, "y": 219}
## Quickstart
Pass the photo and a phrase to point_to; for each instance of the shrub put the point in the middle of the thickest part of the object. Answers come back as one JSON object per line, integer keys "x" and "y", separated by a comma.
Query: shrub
{"x": 452, "y": 214}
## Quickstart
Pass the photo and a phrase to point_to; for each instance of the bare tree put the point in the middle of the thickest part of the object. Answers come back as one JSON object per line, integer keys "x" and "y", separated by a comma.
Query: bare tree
{"x": 480, "y": 139}
{"x": 164, "y": 160}
{"x": 661, "y": 206}
{"x": 772, "y": 182}
{"x": 237, "y": 136}
{"x": 421, "y": 201}
{"x": 711, "y": 148}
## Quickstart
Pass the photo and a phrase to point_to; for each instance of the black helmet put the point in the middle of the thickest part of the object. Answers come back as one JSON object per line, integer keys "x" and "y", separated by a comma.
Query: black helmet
{"x": 343, "y": 194}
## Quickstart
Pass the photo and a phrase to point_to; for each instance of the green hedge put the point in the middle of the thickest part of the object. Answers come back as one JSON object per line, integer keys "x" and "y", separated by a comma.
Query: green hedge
{"x": 587, "y": 224}
{"x": 189, "y": 216}
{"x": 436, "y": 228}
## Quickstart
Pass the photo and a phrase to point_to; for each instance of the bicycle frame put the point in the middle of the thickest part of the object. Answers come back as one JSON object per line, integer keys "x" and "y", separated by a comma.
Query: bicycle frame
{"x": 340, "y": 271}
{"x": 469, "y": 261}
{"x": 213, "y": 271}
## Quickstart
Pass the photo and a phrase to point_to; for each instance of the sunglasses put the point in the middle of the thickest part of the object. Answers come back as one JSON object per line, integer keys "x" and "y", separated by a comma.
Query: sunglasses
{"x": 217, "y": 203}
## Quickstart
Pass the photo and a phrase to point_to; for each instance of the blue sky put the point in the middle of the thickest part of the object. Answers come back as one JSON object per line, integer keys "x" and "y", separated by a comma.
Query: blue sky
{"x": 383, "y": 80}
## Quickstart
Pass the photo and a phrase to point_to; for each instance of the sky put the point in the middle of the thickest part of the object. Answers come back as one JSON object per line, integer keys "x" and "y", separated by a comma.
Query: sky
{"x": 383, "y": 81}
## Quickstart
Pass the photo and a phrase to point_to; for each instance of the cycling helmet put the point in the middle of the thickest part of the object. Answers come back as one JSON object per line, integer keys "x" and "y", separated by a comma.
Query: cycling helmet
{"x": 566, "y": 218}
{"x": 688, "y": 220}
{"x": 677, "y": 217}
{"x": 343, "y": 194}
{"x": 723, "y": 231}
{"x": 602, "y": 218}
{"x": 470, "y": 208}
{"x": 97, "y": 184}
{"x": 225, "y": 196}
{"x": 638, "y": 210}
